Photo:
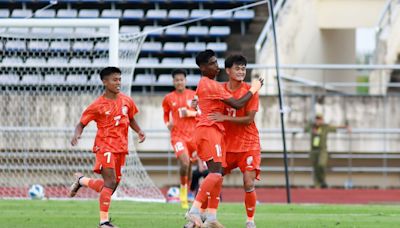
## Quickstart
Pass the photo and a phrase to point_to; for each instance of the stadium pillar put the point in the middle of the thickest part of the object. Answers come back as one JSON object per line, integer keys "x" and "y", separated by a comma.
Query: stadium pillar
{"x": 282, "y": 108}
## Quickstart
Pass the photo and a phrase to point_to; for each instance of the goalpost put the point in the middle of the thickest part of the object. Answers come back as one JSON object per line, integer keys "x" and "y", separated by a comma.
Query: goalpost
{"x": 48, "y": 75}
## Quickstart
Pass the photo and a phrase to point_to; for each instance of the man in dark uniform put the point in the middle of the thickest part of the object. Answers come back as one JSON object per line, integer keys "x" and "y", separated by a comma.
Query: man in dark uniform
{"x": 319, "y": 153}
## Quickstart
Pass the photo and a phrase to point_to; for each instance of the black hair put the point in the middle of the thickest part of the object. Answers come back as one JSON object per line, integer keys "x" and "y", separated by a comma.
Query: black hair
{"x": 178, "y": 71}
{"x": 235, "y": 59}
{"x": 109, "y": 71}
{"x": 204, "y": 56}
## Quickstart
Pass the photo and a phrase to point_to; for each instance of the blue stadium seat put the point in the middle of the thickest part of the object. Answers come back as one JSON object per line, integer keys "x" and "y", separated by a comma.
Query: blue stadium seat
{"x": 169, "y": 60}
{"x": 49, "y": 13}
{"x": 219, "y": 15}
{"x": 178, "y": 14}
{"x": 111, "y": 13}
{"x": 217, "y": 47}
{"x": 61, "y": 46}
{"x": 35, "y": 61}
{"x": 38, "y": 45}
{"x": 15, "y": 45}
{"x": 9, "y": 79}
{"x": 244, "y": 15}
{"x": 77, "y": 79}
{"x": 31, "y": 79}
{"x": 88, "y": 13}
{"x": 129, "y": 29}
{"x": 198, "y": 31}
{"x": 67, "y": 13}
{"x": 151, "y": 47}
{"x": 164, "y": 80}
{"x": 195, "y": 47}
{"x": 21, "y": 13}
{"x": 174, "y": 47}
{"x": 176, "y": 31}
{"x": 144, "y": 79}
{"x": 198, "y": 13}
{"x": 54, "y": 79}
{"x": 4, "y": 13}
{"x": 156, "y": 14}
{"x": 220, "y": 31}
{"x": 133, "y": 14}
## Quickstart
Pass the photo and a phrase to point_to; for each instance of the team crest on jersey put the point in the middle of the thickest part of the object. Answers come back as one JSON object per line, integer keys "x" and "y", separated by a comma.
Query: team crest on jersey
{"x": 249, "y": 160}
{"x": 124, "y": 110}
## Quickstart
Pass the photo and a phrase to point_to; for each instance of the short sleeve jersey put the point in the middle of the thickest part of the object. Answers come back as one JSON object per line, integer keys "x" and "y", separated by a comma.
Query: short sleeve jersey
{"x": 113, "y": 119}
{"x": 239, "y": 137}
{"x": 172, "y": 104}
{"x": 210, "y": 94}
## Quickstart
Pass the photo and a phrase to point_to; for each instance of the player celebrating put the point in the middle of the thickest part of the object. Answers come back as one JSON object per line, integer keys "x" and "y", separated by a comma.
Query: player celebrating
{"x": 114, "y": 113}
{"x": 209, "y": 137}
{"x": 181, "y": 125}
{"x": 242, "y": 139}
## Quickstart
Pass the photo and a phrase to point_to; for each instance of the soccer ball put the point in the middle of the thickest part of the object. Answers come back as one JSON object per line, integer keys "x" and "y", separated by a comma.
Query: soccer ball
{"x": 173, "y": 195}
{"x": 36, "y": 191}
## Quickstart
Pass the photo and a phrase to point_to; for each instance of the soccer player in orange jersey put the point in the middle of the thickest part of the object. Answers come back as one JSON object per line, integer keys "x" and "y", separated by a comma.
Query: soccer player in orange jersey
{"x": 209, "y": 137}
{"x": 114, "y": 113}
{"x": 179, "y": 118}
{"x": 243, "y": 149}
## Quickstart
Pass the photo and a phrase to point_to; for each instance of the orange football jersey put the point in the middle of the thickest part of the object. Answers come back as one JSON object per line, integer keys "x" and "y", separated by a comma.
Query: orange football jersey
{"x": 240, "y": 137}
{"x": 172, "y": 104}
{"x": 113, "y": 119}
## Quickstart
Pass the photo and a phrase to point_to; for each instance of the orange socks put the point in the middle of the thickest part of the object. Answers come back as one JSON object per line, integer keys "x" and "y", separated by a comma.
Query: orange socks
{"x": 105, "y": 199}
{"x": 210, "y": 189}
{"x": 96, "y": 184}
{"x": 250, "y": 203}
{"x": 213, "y": 200}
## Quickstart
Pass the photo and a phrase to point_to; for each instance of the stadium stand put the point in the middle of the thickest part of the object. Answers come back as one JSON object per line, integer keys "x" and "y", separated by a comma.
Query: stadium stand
{"x": 135, "y": 16}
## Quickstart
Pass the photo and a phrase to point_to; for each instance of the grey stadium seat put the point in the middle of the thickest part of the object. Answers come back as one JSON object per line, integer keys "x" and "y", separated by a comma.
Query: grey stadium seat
{"x": 100, "y": 62}
{"x": 135, "y": 14}
{"x": 60, "y": 46}
{"x": 67, "y": 13}
{"x": 80, "y": 62}
{"x": 220, "y": 31}
{"x": 31, "y": 79}
{"x": 101, "y": 46}
{"x": 82, "y": 46}
{"x": 57, "y": 61}
{"x": 41, "y": 30}
{"x": 9, "y": 79}
{"x": 154, "y": 30}
{"x": 88, "y": 13}
{"x": 144, "y": 79}
{"x": 220, "y": 15}
{"x": 18, "y": 30}
{"x": 151, "y": 47}
{"x": 244, "y": 15}
{"x": 77, "y": 79}
{"x": 129, "y": 29}
{"x": 174, "y": 47}
{"x": 192, "y": 79}
{"x": 217, "y": 47}
{"x": 21, "y": 13}
{"x": 108, "y": 13}
{"x": 164, "y": 79}
{"x": 156, "y": 14}
{"x": 85, "y": 30}
{"x": 54, "y": 79}
{"x": 65, "y": 30}
{"x": 170, "y": 60}
{"x": 148, "y": 60}
{"x": 195, "y": 46}
{"x": 4, "y": 13}
{"x": 38, "y": 45}
{"x": 176, "y": 31}
{"x": 49, "y": 13}
{"x": 15, "y": 45}
{"x": 198, "y": 31}
{"x": 198, "y": 13}
{"x": 178, "y": 14}
{"x": 12, "y": 60}
{"x": 36, "y": 61}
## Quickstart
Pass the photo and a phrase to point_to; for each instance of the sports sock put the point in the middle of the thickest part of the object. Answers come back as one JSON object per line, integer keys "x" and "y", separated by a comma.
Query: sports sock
{"x": 250, "y": 204}
{"x": 105, "y": 201}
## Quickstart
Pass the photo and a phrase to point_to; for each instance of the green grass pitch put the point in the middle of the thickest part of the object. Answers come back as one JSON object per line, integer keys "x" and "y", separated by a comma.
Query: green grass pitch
{"x": 125, "y": 214}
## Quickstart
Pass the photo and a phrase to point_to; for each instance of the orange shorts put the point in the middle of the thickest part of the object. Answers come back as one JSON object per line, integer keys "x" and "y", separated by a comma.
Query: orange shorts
{"x": 181, "y": 146}
{"x": 210, "y": 144}
{"x": 110, "y": 160}
{"x": 244, "y": 160}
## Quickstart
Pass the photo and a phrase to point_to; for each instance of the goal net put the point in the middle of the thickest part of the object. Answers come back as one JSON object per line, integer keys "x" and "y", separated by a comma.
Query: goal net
{"x": 49, "y": 73}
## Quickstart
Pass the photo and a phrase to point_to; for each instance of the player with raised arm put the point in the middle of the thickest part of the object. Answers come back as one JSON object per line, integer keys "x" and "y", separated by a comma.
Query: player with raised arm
{"x": 113, "y": 113}
{"x": 179, "y": 118}
{"x": 242, "y": 140}
{"x": 209, "y": 137}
